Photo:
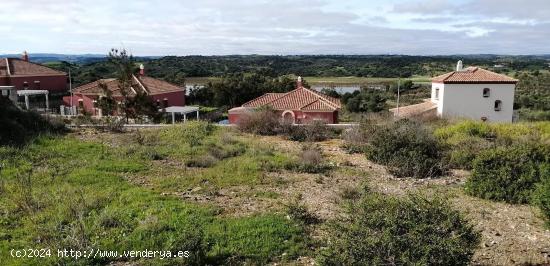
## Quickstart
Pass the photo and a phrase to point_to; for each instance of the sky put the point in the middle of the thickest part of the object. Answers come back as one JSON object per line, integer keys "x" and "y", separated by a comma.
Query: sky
{"x": 221, "y": 27}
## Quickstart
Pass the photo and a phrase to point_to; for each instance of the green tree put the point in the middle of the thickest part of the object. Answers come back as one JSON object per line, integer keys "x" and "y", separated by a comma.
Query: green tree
{"x": 124, "y": 65}
{"x": 365, "y": 101}
{"x": 106, "y": 102}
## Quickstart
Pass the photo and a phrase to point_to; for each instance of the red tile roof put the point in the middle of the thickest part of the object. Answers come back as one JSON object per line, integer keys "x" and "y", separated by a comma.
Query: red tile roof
{"x": 17, "y": 67}
{"x": 415, "y": 109}
{"x": 298, "y": 99}
{"x": 150, "y": 86}
{"x": 474, "y": 75}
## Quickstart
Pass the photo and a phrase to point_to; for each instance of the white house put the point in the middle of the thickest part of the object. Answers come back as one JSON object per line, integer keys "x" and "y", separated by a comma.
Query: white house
{"x": 471, "y": 92}
{"x": 474, "y": 93}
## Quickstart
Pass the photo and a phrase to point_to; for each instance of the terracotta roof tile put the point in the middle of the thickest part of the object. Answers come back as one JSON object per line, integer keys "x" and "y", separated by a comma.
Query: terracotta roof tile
{"x": 18, "y": 67}
{"x": 264, "y": 99}
{"x": 150, "y": 85}
{"x": 157, "y": 86}
{"x": 298, "y": 99}
{"x": 473, "y": 75}
{"x": 415, "y": 109}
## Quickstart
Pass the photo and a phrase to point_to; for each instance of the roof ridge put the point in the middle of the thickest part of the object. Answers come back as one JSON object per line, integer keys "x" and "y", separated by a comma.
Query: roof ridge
{"x": 8, "y": 66}
{"x": 321, "y": 100}
{"x": 141, "y": 84}
{"x": 322, "y": 96}
{"x": 265, "y": 94}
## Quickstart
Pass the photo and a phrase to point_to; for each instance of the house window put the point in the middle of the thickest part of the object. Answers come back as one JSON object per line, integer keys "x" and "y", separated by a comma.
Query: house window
{"x": 165, "y": 102}
{"x": 95, "y": 103}
{"x": 436, "y": 94}
{"x": 25, "y": 85}
{"x": 80, "y": 104}
{"x": 37, "y": 84}
{"x": 158, "y": 104}
{"x": 498, "y": 105}
{"x": 486, "y": 92}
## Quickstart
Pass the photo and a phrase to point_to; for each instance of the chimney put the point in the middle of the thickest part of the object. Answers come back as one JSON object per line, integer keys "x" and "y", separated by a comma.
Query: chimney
{"x": 141, "y": 70}
{"x": 459, "y": 66}
{"x": 25, "y": 56}
{"x": 299, "y": 82}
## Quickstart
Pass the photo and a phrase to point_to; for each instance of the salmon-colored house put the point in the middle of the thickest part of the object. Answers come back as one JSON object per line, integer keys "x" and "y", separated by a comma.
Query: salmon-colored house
{"x": 24, "y": 75}
{"x": 163, "y": 93}
{"x": 299, "y": 106}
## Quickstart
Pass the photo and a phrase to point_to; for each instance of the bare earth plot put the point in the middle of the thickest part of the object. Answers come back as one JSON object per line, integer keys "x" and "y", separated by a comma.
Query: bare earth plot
{"x": 511, "y": 234}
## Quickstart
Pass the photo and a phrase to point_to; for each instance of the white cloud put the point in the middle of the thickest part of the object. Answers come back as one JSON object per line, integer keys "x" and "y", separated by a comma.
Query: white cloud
{"x": 275, "y": 27}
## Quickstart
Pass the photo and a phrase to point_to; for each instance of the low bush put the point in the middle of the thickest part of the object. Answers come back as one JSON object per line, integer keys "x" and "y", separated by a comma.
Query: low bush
{"x": 541, "y": 196}
{"x": 385, "y": 230}
{"x": 202, "y": 161}
{"x": 355, "y": 139}
{"x": 191, "y": 133}
{"x": 408, "y": 150}
{"x": 263, "y": 121}
{"x": 311, "y": 160}
{"x": 299, "y": 212}
{"x": 17, "y": 126}
{"x": 508, "y": 174}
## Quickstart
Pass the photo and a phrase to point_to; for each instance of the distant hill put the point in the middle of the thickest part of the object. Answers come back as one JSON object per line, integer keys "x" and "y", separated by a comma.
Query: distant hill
{"x": 71, "y": 58}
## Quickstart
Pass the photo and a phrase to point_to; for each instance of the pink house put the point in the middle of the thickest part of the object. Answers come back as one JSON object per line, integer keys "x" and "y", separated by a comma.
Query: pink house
{"x": 25, "y": 75}
{"x": 299, "y": 106}
{"x": 162, "y": 93}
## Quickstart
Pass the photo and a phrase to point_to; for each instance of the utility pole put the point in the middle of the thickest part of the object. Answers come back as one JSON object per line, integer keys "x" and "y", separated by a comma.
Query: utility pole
{"x": 71, "y": 89}
{"x": 398, "y": 89}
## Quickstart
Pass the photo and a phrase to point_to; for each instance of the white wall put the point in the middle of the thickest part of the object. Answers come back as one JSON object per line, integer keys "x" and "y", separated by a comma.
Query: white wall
{"x": 439, "y": 100}
{"x": 466, "y": 100}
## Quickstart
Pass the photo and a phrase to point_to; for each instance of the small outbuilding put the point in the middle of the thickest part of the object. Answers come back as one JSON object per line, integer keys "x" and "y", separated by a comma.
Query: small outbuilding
{"x": 298, "y": 106}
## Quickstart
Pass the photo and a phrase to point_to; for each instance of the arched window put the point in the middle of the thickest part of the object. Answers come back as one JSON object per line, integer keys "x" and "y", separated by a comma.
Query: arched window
{"x": 486, "y": 92}
{"x": 436, "y": 96}
{"x": 498, "y": 105}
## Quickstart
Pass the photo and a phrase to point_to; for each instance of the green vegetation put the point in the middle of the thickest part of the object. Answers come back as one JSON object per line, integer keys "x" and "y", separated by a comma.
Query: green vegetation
{"x": 235, "y": 89}
{"x": 467, "y": 138}
{"x": 266, "y": 121}
{"x": 407, "y": 148}
{"x": 340, "y": 68}
{"x": 66, "y": 193}
{"x": 508, "y": 173}
{"x": 386, "y": 230}
{"x": 18, "y": 126}
{"x": 509, "y": 161}
{"x": 533, "y": 96}
{"x": 541, "y": 196}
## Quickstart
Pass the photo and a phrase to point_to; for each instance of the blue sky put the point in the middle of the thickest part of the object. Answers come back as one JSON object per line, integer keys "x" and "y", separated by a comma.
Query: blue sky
{"x": 207, "y": 27}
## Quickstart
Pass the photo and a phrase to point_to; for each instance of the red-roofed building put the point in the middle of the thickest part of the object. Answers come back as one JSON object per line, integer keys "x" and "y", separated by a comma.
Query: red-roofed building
{"x": 299, "y": 106}
{"x": 472, "y": 92}
{"x": 24, "y": 75}
{"x": 163, "y": 93}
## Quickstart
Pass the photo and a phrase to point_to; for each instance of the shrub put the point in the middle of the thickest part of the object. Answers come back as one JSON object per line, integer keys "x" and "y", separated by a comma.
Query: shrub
{"x": 203, "y": 161}
{"x": 541, "y": 196}
{"x": 355, "y": 139}
{"x": 311, "y": 160}
{"x": 385, "y": 230}
{"x": 507, "y": 173}
{"x": 191, "y": 133}
{"x": 300, "y": 213}
{"x": 315, "y": 131}
{"x": 262, "y": 122}
{"x": 407, "y": 149}
{"x": 18, "y": 127}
